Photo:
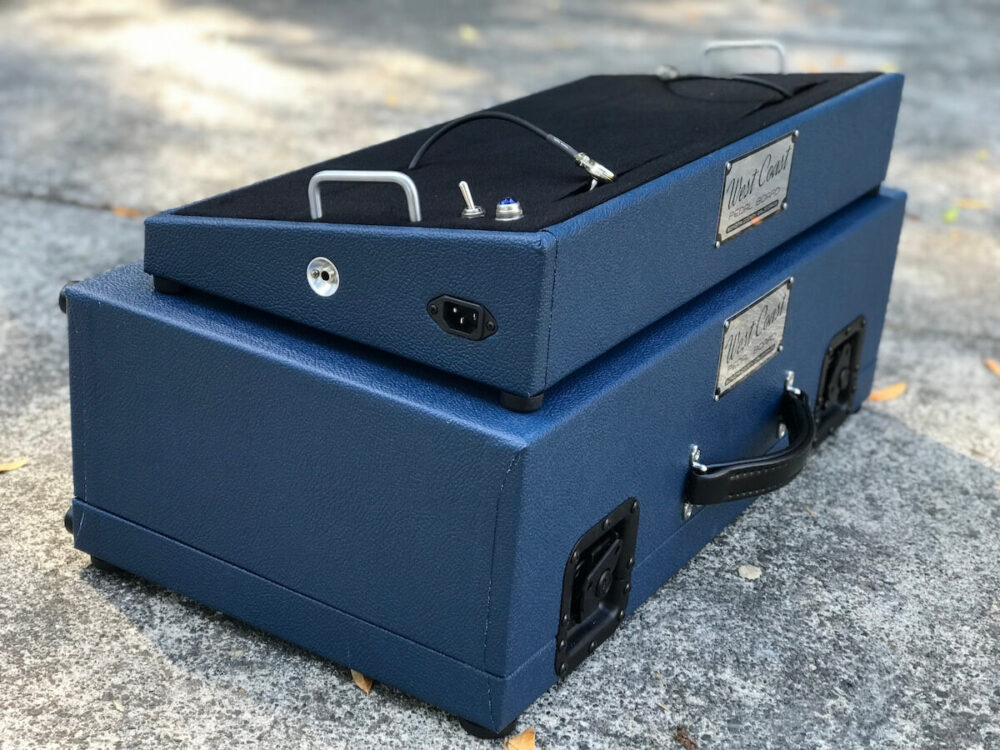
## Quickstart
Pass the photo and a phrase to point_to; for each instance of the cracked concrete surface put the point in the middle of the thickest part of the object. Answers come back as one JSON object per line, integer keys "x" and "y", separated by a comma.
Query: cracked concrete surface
{"x": 877, "y": 618}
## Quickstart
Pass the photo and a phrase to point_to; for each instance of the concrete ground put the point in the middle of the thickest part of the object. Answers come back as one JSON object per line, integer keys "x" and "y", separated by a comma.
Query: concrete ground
{"x": 876, "y": 621}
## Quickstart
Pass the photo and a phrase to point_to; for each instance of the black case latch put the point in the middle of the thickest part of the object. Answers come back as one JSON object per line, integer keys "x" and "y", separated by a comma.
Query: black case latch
{"x": 838, "y": 381}
{"x": 596, "y": 585}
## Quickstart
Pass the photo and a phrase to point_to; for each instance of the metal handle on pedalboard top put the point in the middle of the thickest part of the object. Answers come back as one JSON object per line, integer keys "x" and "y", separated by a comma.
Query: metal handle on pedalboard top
{"x": 739, "y": 480}
{"x": 363, "y": 175}
{"x": 719, "y": 46}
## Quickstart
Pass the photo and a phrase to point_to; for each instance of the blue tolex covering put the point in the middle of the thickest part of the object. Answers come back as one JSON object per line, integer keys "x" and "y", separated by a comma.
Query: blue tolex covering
{"x": 368, "y": 509}
{"x": 562, "y": 294}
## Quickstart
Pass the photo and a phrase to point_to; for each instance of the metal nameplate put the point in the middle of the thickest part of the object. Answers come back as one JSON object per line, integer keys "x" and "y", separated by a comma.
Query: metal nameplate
{"x": 755, "y": 187}
{"x": 751, "y": 337}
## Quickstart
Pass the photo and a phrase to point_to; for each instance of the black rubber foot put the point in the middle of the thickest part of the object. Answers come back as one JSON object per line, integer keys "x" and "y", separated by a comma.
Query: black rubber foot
{"x": 62, "y": 295}
{"x": 167, "y": 286}
{"x": 103, "y": 565}
{"x": 486, "y": 734}
{"x": 68, "y": 520}
{"x": 522, "y": 404}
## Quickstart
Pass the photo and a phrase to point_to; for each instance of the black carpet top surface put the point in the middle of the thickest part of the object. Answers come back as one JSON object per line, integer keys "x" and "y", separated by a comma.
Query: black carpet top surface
{"x": 637, "y": 125}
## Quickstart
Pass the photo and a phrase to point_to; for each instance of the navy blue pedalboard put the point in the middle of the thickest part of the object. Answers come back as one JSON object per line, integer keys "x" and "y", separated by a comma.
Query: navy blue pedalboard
{"x": 290, "y": 413}
{"x": 709, "y": 176}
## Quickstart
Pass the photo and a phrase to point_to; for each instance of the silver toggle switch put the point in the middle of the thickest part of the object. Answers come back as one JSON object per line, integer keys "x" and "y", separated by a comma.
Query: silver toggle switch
{"x": 471, "y": 210}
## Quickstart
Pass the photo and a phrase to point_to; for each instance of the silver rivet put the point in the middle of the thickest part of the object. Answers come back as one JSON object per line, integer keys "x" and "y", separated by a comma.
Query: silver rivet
{"x": 718, "y": 244}
{"x": 784, "y": 205}
{"x": 729, "y": 166}
{"x": 686, "y": 510}
{"x": 782, "y": 430}
{"x": 323, "y": 277}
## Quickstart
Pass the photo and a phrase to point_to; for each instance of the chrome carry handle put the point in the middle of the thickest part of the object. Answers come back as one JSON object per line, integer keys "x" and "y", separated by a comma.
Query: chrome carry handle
{"x": 363, "y": 175}
{"x": 745, "y": 478}
{"x": 720, "y": 46}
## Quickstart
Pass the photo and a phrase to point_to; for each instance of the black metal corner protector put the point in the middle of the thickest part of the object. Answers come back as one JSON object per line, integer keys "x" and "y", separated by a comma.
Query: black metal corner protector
{"x": 596, "y": 586}
{"x": 838, "y": 382}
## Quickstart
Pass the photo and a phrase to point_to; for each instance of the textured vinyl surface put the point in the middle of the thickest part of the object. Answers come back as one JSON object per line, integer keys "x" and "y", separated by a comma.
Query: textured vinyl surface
{"x": 368, "y": 485}
{"x": 561, "y": 296}
{"x": 874, "y": 621}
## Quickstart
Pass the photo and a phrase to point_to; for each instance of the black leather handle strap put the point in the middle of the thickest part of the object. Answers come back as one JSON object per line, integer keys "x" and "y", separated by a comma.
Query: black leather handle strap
{"x": 738, "y": 480}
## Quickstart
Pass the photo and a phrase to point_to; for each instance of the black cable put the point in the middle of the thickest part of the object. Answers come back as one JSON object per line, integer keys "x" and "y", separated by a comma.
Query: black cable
{"x": 596, "y": 170}
{"x": 436, "y": 135}
{"x": 744, "y": 78}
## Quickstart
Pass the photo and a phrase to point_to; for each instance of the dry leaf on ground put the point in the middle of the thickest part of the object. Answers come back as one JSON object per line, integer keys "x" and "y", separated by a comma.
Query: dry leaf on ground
{"x": 523, "y": 741}
{"x": 963, "y": 204}
{"x": 972, "y": 204}
{"x": 13, "y": 465}
{"x": 749, "y": 572}
{"x": 362, "y": 681}
{"x": 992, "y": 365}
{"x": 684, "y": 738}
{"x": 889, "y": 393}
{"x": 125, "y": 212}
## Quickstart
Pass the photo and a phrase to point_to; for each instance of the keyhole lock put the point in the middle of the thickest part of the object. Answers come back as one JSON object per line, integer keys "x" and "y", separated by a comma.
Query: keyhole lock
{"x": 323, "y": 277}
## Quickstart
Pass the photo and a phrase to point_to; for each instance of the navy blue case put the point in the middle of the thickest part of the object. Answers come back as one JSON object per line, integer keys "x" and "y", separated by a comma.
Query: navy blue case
{"x": 372, "y": 511}
{"x": 562, "y": 293}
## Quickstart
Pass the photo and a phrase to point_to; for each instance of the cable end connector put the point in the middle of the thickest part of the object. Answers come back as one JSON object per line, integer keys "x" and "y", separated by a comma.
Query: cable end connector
{"x": 594, "y": 168}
